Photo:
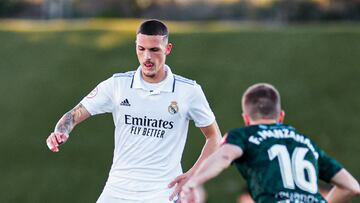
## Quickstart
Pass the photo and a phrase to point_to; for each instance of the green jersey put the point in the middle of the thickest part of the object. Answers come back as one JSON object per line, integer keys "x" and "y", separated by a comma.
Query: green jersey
{"x": 280, "y": 164}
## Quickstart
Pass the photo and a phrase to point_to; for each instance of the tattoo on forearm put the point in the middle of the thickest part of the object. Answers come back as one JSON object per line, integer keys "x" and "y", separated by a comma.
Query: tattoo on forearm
{"x": 67, "y": 122}
{"x": 77, "y": 112}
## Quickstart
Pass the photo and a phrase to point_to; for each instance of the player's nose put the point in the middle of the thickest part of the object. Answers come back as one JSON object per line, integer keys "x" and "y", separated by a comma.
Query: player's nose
{"x": 147, "y": 55}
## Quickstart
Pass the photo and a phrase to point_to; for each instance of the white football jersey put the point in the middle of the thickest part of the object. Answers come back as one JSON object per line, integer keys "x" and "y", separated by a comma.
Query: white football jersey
{"x": 151, "y": 125}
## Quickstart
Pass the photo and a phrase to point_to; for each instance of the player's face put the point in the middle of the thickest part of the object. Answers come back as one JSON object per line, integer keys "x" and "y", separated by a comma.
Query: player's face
{"x": 151, "y": 51}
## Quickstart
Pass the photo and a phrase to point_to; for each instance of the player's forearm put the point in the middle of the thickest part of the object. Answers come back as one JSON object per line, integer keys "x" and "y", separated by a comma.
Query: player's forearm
{"x": 213, "y": 138}
{"x": 211, "y": 145}
{"x": 339, "y": 195}
{"x": 211, "y": 168}
{"x": 69, "y": 120}
{"x": 65, "y": 124}
{"x": 345, "y": 187}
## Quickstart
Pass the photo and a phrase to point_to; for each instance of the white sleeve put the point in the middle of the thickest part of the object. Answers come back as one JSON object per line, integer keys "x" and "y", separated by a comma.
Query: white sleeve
{"x": 100, "y": 99}
{"x": 199, "y": 110}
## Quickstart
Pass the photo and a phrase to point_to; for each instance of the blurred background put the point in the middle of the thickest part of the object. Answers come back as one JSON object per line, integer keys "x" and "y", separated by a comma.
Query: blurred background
{"x": 54, "y": 52}
{"x": 264, "y": 10}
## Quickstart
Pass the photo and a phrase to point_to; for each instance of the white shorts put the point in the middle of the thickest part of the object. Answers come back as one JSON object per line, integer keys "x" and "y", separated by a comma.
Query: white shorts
{"x": 106, "y": 198}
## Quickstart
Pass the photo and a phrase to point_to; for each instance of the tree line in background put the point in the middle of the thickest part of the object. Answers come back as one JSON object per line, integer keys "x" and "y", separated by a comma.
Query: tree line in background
{"x": 273, "y": 10}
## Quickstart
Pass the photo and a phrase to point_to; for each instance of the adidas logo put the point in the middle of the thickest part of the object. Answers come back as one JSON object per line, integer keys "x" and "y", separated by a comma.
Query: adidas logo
{"x": 125, "y": 103}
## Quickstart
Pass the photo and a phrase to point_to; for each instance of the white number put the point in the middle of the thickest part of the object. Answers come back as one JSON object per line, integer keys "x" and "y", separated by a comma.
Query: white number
{"x": 284, "y": 163}
{"x": 293, "y": 170}
{"x": 300, "y": 165}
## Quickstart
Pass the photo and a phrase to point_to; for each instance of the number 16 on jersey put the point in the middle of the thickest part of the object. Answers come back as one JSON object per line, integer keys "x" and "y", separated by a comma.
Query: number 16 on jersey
{"x": 293, "y": 168}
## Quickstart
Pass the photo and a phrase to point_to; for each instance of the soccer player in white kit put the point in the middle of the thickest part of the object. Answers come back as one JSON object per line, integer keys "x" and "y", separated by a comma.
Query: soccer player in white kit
{"x": 151, "y": 109}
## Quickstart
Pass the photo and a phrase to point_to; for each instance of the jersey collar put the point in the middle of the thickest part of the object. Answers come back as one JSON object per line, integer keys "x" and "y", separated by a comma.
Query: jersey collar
{"x": 168, "y": 84}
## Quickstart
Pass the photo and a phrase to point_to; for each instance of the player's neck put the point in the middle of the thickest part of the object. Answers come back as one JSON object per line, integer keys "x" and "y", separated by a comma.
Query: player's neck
{"x": 263, "y": 121}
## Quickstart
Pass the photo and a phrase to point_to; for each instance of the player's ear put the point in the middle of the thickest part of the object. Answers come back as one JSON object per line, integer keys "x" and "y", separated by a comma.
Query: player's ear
{"x": 281, "y": 116}
{"x": 168, "y": 48}
{"x": 246, "y": 118}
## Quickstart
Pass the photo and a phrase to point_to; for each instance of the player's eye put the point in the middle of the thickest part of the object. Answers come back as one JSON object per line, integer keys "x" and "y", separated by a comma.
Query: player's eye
{"x": 154, "y": 49}
{"x": 141, "y": 48}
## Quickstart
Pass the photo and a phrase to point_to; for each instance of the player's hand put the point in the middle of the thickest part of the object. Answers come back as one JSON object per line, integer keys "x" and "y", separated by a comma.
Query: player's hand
{"x": 189, "y": 194}
{"x": 179, "y": 182}
{"x": 55, "y": 140}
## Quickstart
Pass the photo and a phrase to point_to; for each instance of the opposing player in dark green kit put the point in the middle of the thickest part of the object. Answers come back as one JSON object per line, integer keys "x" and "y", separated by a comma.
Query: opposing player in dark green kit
{"x": 279, "y": 163}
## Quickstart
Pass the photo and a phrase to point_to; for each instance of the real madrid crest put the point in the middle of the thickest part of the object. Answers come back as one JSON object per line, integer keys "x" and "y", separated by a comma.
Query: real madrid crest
{"x": 173, "y": 108}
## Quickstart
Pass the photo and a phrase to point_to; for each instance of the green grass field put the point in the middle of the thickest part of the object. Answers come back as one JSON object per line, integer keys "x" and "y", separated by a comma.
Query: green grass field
{"x": 46, "y": 69}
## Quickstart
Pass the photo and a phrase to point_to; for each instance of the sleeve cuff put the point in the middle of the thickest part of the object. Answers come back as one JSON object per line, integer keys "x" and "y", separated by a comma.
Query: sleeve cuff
{"x": 87, "y": 107}
{"x": 203, "y": 125}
